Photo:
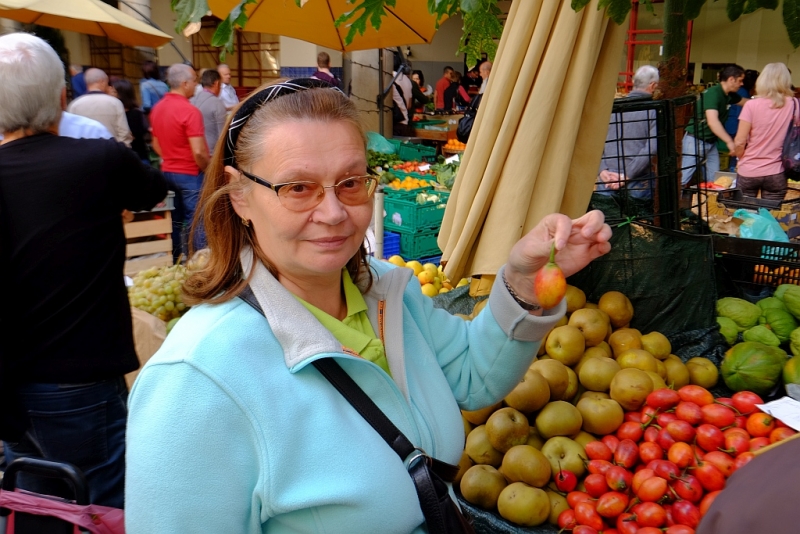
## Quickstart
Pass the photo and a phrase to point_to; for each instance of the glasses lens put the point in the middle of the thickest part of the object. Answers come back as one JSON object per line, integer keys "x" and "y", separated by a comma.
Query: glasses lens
{"x": 300, "y": 196}
{"x": 356, "y": 190}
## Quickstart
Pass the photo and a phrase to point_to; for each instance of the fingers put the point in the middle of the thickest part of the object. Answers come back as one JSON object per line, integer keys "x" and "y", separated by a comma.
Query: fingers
{"x": 589, "y": 224}
{"x": 560, "y": 228}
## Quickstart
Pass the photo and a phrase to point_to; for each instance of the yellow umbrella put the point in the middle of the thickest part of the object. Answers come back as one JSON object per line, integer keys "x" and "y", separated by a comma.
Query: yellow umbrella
{"x": 538, "y": 137}
{"x": 408, "y": 23}
{"x": 91, "y": 17}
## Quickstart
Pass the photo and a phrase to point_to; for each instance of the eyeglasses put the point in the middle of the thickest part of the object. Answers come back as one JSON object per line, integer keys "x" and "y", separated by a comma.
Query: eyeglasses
{"x": 303, "y": 196}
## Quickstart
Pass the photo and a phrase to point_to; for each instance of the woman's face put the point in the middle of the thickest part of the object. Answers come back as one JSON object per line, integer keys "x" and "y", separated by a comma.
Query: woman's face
{"x": 320, "y": 241}
{"x": 415, "y": 77}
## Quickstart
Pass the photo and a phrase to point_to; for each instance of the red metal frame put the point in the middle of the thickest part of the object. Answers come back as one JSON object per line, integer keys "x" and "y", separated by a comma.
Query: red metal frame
{"x": 632, "y": 42}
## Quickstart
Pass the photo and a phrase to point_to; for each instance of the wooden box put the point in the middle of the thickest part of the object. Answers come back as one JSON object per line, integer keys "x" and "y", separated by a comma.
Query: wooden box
{"x": 149, "y": 233}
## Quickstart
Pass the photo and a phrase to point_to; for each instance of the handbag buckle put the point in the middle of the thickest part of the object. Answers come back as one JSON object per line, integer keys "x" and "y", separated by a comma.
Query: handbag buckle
{"x": 415, "y": 455}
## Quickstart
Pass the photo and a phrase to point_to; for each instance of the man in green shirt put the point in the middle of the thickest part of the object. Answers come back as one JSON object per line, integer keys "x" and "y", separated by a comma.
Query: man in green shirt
{"x": 700, "y": 140}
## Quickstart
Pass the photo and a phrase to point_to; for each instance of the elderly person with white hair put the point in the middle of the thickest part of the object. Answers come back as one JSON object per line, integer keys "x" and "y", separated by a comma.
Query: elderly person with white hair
{"x": 179, "y": 137}
{"x": 631, "y": 143}
{"x": 67, "y": 341}
{"x": 97, "y": 104}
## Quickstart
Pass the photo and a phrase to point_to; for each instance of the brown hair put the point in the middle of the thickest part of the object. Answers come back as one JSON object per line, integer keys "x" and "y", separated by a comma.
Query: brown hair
{"x": 222, "y": 278}
{"x": 323, "y": 60}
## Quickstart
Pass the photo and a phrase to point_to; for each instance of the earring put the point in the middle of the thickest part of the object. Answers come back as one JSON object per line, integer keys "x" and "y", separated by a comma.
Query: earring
{"x": 245, "y": 222}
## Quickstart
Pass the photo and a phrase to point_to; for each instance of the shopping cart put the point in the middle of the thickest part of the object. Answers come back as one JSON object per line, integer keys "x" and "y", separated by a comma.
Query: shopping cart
{"x": 67, "y": 511}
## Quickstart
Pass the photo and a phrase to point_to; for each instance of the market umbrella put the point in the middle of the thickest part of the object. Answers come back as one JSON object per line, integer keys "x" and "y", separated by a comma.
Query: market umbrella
{"x": 409, "y": 22}
{"x": 91, "y": 17}
{"x": 538, "y": 136}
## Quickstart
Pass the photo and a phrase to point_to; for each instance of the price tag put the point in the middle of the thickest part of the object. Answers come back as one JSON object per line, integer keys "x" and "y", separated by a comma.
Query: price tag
{"x": 452, "y": 159}
{"x": 425, "y": 167}
{"x": 786, "y": 409}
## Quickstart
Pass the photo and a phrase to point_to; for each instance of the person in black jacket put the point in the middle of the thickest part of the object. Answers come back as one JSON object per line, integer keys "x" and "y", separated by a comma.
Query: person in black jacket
{"x": 136, "y": 121}
{"x": 66, "y": 338}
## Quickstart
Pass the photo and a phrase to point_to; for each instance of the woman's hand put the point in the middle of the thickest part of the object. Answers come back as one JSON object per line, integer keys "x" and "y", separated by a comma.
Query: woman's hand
{"x": 578, "y": 242}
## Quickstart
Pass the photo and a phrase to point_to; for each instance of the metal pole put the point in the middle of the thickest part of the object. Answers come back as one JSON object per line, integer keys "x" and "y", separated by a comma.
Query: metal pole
{"x": 380, "y": 94}
{"x": 378, "y": 215}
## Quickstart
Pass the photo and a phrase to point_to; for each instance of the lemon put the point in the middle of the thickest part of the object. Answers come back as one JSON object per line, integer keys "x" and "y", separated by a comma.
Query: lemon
{"x": 429, "y": 290}
{"x": 462, "y": 282}
{"x": 425, "y": 278}
{"x": 417, "y": 266}
{"x": 437, "y": 283}
{"x": 397, "y": 260}
{"x": 431, "y": 268}
{"x": 443, "y": 290}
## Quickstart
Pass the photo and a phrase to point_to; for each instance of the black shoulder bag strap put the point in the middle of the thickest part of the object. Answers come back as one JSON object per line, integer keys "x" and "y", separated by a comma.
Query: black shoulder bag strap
{"x": 429, "y": 475}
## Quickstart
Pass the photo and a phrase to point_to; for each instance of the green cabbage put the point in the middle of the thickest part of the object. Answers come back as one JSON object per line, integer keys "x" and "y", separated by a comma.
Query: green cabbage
{"x": 771, "y": 303}
{"x": 753, "y": 367}
{"x": 794, "y": 341}
{"x": 728, "y": 329}
{"x": 743, "y": 313}
{"x": 780, "y": 322}
{"x": 781, "y": 289}
{"x": 761, "y": 334}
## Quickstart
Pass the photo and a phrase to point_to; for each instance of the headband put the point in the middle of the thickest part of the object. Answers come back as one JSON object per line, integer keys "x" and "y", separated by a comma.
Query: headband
{"x": 252, "y": 104}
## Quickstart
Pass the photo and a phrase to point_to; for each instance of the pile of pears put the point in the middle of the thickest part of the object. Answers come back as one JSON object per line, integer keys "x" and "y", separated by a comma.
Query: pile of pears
{"x": 591, "y": 368}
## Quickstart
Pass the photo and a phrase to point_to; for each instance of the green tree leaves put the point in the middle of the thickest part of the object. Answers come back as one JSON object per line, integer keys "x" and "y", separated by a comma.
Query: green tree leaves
{"x": 791, "y": 19}
{"x": 372, "y": 11}
{"x": 481, "y": 30}
{"x": 691, "y": 10}
{"x": 223, "y": 36}
{"x": 188, "y": 12}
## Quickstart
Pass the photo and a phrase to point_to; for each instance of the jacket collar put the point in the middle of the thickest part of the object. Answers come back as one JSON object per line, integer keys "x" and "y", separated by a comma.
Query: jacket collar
{"x": 302, "y": 336}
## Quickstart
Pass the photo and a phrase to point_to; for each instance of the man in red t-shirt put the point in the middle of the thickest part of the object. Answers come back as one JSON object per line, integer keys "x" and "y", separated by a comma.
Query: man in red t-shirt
{"x": 441, "y": 87}
{"x": 179, "y": 138}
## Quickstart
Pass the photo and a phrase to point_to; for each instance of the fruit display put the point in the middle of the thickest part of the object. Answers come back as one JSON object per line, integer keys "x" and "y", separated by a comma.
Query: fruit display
{"x": 413, "y": 166}
{"x": 596, "y": 406}
{"x": 408, "y": 183}
{"x": 157, "y": 290}
{"x": 550, "y": 285}
{"x": 431, "y": 277}
{"x": 454, "y": 145}
{"x": 379, "y": 159}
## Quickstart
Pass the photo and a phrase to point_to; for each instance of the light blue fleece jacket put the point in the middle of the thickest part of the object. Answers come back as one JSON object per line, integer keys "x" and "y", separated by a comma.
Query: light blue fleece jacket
{"x": 232, "y": 431}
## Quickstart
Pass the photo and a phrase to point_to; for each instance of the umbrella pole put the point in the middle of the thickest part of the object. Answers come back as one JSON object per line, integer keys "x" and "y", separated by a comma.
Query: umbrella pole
{"x": 380, "y": 91}
{"x": 378, "y": 216}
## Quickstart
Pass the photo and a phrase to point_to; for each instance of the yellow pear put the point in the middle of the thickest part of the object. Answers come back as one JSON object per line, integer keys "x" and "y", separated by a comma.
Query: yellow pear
{"x": 556, "y": 375}
{"x": 523, "y": 505}
{"x": 677, "y": 372}
{"x": 576, "y": 299}
{"x": 527, "y": 464}
{"x": 592, "y": 324}
{"x": 658, "y": 382}
{"x": 478, "y": 417}
{"x": 605, "y": 347}
{"x": 597, "y": 373}
{"x": 530, "y": 394}
{"x": 623, "y": 340}
{"x": 481, "y": 485}
{"x": 479, "y": 448}
{"x": 639, "y": 359}
{"x": 558, "y": 418}
{"x": 566, "y": 344}
{"x": 618, "y": 308}
{"x": 558, "y": 503}
{"x": 397, "y": 260}
{"x": 702, "y": 372}
{"x": 630, "y": 388}
{"x": 416, "y": 266}
{"x": 591, "y": 306}
{"x": 656, "y": 344}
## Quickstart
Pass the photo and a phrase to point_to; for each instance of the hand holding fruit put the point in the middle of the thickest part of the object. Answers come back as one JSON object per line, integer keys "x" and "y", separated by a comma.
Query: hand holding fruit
{"x": 577, "y": 243}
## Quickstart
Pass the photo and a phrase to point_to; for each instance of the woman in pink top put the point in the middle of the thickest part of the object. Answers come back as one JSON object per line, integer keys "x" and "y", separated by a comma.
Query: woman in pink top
{"x": 763, "y": 124}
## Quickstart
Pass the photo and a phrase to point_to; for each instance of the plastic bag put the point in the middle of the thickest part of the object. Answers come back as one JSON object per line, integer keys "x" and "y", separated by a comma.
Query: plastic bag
{"x": 378, "y": 143}
{"x": 761, "y": 225}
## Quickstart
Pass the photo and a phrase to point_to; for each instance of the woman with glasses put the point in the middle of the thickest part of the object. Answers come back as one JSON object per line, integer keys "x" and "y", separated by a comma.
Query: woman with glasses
{"x": 233, "y": 427}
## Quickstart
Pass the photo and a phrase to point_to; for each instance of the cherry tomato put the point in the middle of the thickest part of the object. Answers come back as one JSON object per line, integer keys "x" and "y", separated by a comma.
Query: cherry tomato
{"x": 742, "y": 460}
{"x": 737, "y": 443}
{"x": 709, "y": 437}
{"x": 650, "y": 451}
{"x": 566, "y": 519}
{"x": 718, "y": 415}
{"x": 595, "y": 485}
{"x": 641, "y": 476}
{"x": 650, "y": 514}
{"x": 586, "y": 514}
{"x": 649, "y": 414}
{"x": 681, "y": 454}
{"x": 760, "y": 424}
{"x": 705, "y": 504}
{"x": 688, "y": 487}
{"x": 649, "y": 530}
{"x": 652, "y": 490}
{"x": 710, "y": 476}
{"x": 758, "y": 443}
{"x": 611, "y": 504}
{"x": 745, "y": 402}
{"x": 627, "y": 454}
{"x": 650, "y": 434}
{"x": 725, "y": 401}
{"x": 611, "y": 442}
{"x": 626, "y": 523}
{"x": 736, "y": 430}
{"x": 664, "y": 439}
{"x": 630, "y": 430}
{"x": 663, "y": 399}
{"x": 635, "y": 417}
{"x": 668, "y": 510}
{"x": 574, "y": 497}
{"x": 681, "y": 431}
{"x": 597, "y": 450}
{"x": 685, "y": 513}
{"x": 664, "y": 469}
{"x": 618, "y": 478}
{"x": 599, "y": 466}
{"x": 689, "y": 412}
{"x": 696, "y": 394}
{"x": 780, "y": 433}
{"x": 740, "y": 421}
{"x": 720, "y": 460}
{"x": 679, "y": 529}
{"x": 663, "y": 419}
{"x": 584, "y": 529}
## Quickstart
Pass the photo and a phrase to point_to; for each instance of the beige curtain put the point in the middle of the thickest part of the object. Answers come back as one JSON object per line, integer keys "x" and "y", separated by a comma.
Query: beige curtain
{"x": 538, "y": 137}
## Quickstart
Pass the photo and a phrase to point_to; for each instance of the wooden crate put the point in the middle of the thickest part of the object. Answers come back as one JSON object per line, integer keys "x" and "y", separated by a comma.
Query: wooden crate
{"x": 149, "y": 233}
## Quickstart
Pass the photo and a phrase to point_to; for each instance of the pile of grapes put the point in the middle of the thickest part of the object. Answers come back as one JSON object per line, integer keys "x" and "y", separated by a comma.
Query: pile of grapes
{"x": 157, "y": 290}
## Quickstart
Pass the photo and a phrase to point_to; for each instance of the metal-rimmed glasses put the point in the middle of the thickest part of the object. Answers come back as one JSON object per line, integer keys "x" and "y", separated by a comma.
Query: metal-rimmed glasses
{"x": 303, "y": 196}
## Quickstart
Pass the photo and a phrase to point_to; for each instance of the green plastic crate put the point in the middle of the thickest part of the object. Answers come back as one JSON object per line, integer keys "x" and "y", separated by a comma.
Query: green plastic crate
{"x": 405, "y": 216}
{"x": 402, "y": 174}
{"x": 420, "y": 245}
{"x": 416, "y": 152}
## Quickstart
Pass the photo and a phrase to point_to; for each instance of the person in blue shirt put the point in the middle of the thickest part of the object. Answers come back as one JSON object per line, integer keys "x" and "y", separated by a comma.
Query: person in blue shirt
{"x": 151, "y": 86}
{"x": 77, "y": 81}
{"x": 746, "y": 91}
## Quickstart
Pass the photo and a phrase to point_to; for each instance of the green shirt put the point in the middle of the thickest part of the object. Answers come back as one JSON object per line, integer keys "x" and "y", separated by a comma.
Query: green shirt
{"x": 354, "y": 332}
{"x": 712, "y": 98}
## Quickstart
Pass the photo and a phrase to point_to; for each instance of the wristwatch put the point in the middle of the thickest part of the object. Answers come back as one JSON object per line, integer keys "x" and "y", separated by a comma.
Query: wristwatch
{"x": 524, "y": 304}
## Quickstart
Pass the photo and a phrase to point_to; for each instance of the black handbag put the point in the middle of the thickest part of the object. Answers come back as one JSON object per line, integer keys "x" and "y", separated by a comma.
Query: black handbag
{"x": 790, "y": 156}
{"x": 464, "y": 128}
{"x": 430, "y": 476}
